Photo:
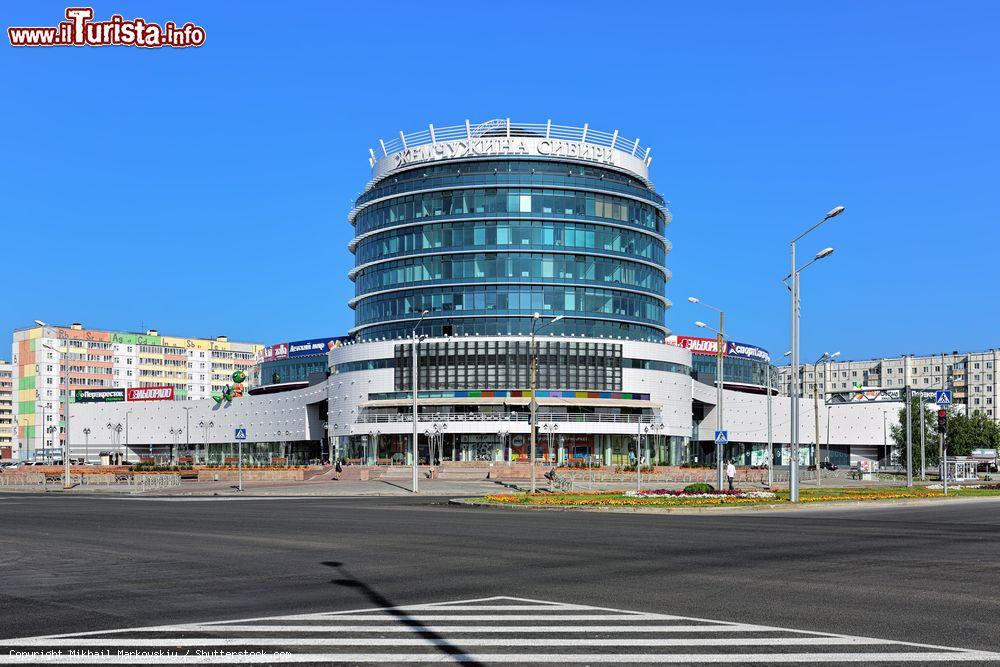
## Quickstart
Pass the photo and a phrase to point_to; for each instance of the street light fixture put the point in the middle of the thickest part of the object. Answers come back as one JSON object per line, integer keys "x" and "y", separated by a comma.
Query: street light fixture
{"x": 793, "y": 483}
{"x": 720, "y": 351}
{"x": 823, "y": 359}
{"x": 535, "y": 328}
{"x": 416, "y": 342}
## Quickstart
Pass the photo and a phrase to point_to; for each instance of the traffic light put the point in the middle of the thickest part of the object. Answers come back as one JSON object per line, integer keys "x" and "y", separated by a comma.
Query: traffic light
{"x": 942, "y": 420}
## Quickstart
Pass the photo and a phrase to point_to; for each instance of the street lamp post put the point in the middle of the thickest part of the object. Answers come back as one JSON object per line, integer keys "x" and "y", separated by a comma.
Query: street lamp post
{"x": 826, "y": 356}
{"x": 720, "y": 352}
{"x": 793, "y": 479}
{"x": 125, "y": 451}
{"x": 174, "y": 432}
{"x": 86, "y": 444}
{"x": 187, "y": 431}
{"x": 415, "y": 343}
{"x": 535, "y": 328}
{"x": 204, "y": 426}
{"x": 549, "y": 429}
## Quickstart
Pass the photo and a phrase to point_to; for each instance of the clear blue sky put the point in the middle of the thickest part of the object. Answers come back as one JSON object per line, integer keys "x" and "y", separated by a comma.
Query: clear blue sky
{"x": 205, "y": 191}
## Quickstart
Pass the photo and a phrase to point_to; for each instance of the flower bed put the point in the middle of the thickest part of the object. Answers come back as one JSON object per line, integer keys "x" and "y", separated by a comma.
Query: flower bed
{"x": 678, "y": 498}
{"x": 668, "y": 493}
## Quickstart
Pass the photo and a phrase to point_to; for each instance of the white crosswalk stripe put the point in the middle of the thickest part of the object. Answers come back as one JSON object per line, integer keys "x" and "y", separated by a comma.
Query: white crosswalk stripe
{"x": 489, "y": 630}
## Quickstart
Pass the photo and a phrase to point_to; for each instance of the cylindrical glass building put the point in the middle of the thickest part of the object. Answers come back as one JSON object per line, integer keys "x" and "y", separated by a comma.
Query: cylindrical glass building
{"x": 484, "y": 225}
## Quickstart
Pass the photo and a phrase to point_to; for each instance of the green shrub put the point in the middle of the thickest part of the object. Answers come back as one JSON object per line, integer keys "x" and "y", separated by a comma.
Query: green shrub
{"x": 699, "y": 487}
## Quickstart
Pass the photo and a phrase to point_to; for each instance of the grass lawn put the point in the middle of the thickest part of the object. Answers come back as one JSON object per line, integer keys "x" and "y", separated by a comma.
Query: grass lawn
{"x": 618, "y": 499}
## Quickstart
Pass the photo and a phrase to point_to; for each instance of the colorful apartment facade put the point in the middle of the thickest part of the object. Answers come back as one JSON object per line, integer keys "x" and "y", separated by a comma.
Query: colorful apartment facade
{"x": 6, "y": 410}
{"x": 193, "y": 369}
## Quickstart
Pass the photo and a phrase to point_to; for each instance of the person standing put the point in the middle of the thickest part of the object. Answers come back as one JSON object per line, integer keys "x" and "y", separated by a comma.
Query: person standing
{"x": 730, "y": 474}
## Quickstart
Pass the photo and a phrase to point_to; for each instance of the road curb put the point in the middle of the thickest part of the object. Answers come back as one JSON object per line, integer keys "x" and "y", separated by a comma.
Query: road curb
{"x": 764, "y": 507}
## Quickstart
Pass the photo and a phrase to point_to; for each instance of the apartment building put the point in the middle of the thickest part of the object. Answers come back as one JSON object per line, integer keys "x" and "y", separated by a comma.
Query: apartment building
{"x": 193, "y": 368}
{"x": 971, "y": 376}
{"x": 6, "y": 410}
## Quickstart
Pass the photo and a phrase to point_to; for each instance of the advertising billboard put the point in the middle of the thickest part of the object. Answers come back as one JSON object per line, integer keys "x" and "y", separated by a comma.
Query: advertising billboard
{"x": 165, "y": 393}
{"x": 313, "y": 346}
{"x": 709, "y": 346}
{"x": 99, "y": 395}
{"x": 275, "y": 352}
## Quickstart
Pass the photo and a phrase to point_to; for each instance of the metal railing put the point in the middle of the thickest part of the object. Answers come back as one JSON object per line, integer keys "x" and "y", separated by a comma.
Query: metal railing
{"x": 133, "y": 483}
{"x": 502, "y": 417}
{"x": 503, "y": 127}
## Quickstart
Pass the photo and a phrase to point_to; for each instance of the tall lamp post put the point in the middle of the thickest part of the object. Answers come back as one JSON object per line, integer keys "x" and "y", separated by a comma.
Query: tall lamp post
{"x": 793, "y": 479}
{"x": 720, "y": 353}
{"x": 826, "y": 356}
{"x": 174, "y": 432}
{"x": 127, "y": 413}
{"x": 65, "y": 364}
{"x": 416, "y": 342}
{"x": 187, "y": 431}
{"x": 535, "y": 328}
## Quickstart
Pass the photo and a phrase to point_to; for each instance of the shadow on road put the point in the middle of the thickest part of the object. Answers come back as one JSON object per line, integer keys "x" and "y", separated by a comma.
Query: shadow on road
{"x": 379, "y": 600}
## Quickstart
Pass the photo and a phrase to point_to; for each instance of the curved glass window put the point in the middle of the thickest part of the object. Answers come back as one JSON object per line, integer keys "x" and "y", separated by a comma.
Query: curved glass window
{"x": 362, "y": 365}
{"x": 656, "y": 365}
{"x": 513, "y": 299}
{"x": 736, "y": 370}
{"x": 512, "y": 326}
{"x": 510, "y": 201}
{"x": 502, "y": 267}
{"x": 291, "y": 370}
{"x": 504, "y": 233}
{"x": 509, "y": 172}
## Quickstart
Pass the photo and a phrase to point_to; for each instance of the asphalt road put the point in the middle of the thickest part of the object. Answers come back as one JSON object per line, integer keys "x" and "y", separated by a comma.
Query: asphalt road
{"x": 915, "y": 574}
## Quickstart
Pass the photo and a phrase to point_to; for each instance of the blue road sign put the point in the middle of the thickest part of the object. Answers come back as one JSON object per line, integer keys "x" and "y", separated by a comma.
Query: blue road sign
{"x": 722, "y": 437}
{"x": 241, "y": 434}
{"x": 943, "y": 397}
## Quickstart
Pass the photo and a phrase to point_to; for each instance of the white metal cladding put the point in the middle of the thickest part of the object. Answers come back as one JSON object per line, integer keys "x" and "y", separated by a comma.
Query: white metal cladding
{"x": 628, "y": 153}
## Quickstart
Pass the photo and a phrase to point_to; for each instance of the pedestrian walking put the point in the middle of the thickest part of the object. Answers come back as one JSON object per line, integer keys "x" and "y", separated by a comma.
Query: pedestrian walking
{"x": 730, "y": 474}
{"x": 339, "y": 469}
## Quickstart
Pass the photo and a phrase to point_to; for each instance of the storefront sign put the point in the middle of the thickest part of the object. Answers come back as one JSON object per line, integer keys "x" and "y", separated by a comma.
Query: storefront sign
{"x": 151, "y": 393}
{"x": 492, "y": 146}
{"x": 710, "y": 347}
{"x": 275, "y": 352}
{"x": 305, "y": 348}
{"x": 99, "y": 395}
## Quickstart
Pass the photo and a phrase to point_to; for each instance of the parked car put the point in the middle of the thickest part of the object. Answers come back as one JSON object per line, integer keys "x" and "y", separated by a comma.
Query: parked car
{"x": 826, "y": 465}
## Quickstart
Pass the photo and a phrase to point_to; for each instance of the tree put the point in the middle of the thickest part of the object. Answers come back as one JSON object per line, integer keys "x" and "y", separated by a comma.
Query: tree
{"x": 967, "y": 433}
{"x": 898, "y": 434}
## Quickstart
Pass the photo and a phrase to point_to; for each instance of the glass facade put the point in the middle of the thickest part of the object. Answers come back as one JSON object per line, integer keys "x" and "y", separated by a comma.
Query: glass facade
{"x": 506, "y": 234}
{"x": 506, "y": 365}
{"x": 502, "y": 267}
{"x": 510, "y": 172}
{"x": 542, "y": 236}
{"x": 736, "y": 370}
{"x": 510, "y": 201}
{"x": 291, "y": 370}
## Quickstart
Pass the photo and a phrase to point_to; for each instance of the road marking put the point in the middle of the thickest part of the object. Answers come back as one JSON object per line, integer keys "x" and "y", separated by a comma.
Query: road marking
{"x": 434, "y": 632}
{"x": 463, "y": 641}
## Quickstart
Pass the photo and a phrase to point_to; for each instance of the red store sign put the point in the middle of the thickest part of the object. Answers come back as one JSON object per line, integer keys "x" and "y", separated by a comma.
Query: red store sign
{"x": 150, "y": 394}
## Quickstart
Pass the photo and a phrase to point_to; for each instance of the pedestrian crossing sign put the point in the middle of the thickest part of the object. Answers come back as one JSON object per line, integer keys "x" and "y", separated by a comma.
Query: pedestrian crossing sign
{"x": 722, "y": 438}
{"x": 942, "y": 397}
{"x": 241, "y": 434}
